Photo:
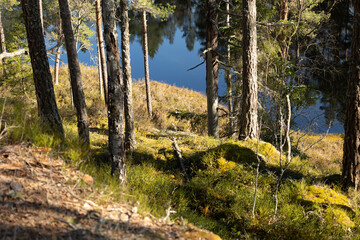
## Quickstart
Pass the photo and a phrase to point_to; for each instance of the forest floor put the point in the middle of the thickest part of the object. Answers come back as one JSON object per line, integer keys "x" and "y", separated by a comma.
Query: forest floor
{"x": 41, "y": 198}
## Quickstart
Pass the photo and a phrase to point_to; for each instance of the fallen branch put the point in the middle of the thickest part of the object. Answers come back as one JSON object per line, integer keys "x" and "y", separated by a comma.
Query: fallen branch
{"x": 178, "y": 155}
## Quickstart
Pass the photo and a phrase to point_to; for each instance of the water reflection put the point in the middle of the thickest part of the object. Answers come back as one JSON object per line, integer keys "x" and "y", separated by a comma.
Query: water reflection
{"x": 175, "y": 46}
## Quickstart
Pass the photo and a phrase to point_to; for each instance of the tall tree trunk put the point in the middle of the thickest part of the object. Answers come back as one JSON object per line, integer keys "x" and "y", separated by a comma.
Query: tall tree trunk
{"x": 116, "y": 96}
{"x": 58, "y": 54}
{"x": 284, "y": 12}
{"x": 351, "y": 159}
{"x": 130, "y": 142}
{"x": 101, "y": 47}
{"x": 249, "y": 113}
{"x": 228, "y": 78}
{"x": 57, "y": 65}
{"x": 47, "y": 108}
{"x": 41, "y": 14}
{"x": 212, "y": 68}
{"x": 146, "y": 64}
{"x": 75, "y": 73}
{"x": 2, "y": 37}
{"x": 100, "y": 71}
{"x": 2, "y": 43}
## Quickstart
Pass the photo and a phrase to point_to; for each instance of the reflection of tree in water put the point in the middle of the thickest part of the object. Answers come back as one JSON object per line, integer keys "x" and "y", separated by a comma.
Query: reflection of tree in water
{"x": 324, "y": 61}
{"x": 327, "y": 60}
{"x": 184, "y": 18}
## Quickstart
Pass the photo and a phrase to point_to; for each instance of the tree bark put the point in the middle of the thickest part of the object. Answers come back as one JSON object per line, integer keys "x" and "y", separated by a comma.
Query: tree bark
{"x": 58, "y": 54}
{"x": 116, "y": 96}
{"x": 2, "y": 43}
{"x": 100, "y": 71}
{"x": 351, "y": 159}
{"x": 2, "y": 37}
{"x": 130, "y": 142}
{"x": 41, "y": 15}
{"x": 47, "y": 108}
{"x": 284, "y": 12}
{"x": 248, "y": 121}
{"x": 57, "y": 65}
{"x": 212, "y": 68}
{"x": 101, "y": 47}
{"x": 75, "y": 73}
{"x": 146, "y": 64}
{"x": 228, "y": 78}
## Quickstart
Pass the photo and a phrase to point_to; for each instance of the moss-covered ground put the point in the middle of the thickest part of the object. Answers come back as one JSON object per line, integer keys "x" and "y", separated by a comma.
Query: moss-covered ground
{"x": 217, "y": 189}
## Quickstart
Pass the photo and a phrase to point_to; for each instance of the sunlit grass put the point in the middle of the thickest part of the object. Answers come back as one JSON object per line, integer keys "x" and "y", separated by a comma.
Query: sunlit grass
{"x": 219, "y": 193}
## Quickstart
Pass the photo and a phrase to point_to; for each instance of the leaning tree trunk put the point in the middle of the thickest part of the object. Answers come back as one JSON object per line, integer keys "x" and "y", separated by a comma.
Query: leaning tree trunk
{"x": 116, "y": 96}
{"x": 101, "y": 48}
{"x": 248, "y": 120}
{"x": 146, "y": 64}
{"x": 130, "y": 142}
{"x": 351, "y": 159}
{"x": 212, "y": 68}
{"x": 75, "y": 73}
{"x": 47, "y": 108}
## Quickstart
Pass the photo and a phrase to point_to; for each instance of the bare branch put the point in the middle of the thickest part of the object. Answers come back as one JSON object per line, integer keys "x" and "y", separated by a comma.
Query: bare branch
{"x": 13, "y": 54}
{"x": 196, "y": 66}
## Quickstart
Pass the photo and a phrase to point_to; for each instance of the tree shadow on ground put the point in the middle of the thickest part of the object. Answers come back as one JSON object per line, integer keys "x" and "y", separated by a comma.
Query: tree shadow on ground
{"x": 61, "y": 223}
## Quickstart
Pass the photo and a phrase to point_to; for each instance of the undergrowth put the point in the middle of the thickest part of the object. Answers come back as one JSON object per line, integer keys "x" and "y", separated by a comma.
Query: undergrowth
{"x": 219, "y": 191}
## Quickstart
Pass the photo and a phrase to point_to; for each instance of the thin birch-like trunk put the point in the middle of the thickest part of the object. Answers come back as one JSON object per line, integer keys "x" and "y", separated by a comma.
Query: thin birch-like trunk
{"x": 101, "y": 48}
{"x": 146, "y": 64}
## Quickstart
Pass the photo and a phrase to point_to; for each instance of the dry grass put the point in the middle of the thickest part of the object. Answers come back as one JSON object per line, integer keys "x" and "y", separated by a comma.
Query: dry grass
{"x": 165, "y": 99}
{"x": 325, "y": 155}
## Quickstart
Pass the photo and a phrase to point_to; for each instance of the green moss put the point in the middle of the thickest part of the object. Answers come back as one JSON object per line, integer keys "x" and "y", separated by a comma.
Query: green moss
{"x": 323, "y": 195}
{"x": 338, "y": 216}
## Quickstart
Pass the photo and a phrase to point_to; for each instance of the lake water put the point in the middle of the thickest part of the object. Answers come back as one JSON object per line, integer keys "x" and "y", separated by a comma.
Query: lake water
{"x": 170, "y": 64}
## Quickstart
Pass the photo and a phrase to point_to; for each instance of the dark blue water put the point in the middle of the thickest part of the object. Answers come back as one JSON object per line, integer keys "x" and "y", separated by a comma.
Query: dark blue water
{"x": 170, "y": 65}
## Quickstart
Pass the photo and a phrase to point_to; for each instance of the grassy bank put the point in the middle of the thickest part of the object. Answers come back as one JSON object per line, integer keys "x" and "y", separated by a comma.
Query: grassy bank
{"x": 217, "y": 189}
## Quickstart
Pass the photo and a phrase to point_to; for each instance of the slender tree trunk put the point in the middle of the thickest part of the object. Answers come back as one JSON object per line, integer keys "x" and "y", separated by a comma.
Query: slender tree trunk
{"x": 100, "y": 71}
{"x": 146, "y": 64}
{"x": 58, "y": 54}
{"x": 351, "y": 159}
{"x": 2, "y": 37}
{"x": 2, "y": 43}
{"x": 47, "y": 108}
{"x": 212, "y": 68}
{"x": 249, "y": 113}
{"x": 41, "y": 14}
{"x": 284, "y": 12}
{"x": 228, "y": 78}
{"x": 130, "y": 142}
{"x": 101, "y": 47}
{"x": 75, "y": 73}
{"x": 116, "y": 95}
{"x": 57, "y": 65}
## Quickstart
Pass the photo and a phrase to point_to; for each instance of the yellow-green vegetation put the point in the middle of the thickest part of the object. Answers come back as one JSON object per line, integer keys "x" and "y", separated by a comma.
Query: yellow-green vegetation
{"x": 218, "y": 192}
